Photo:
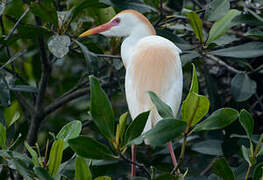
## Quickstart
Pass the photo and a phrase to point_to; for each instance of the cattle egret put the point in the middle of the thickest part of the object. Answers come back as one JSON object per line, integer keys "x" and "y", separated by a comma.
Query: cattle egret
{"x": 152, "y": 64}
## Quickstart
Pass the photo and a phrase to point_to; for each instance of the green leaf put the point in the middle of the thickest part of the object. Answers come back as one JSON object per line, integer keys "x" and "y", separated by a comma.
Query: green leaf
{"x": 164, "y": 131}
{"x": 197, "y": 25}
{"x": 138, "y": 5}
{"x": 221, "y": 26}
{"x": 242, "y": 87}
{"x": 89, "y": 56}
{"x": 103, "y": 178}
{"x": 247, "y": 19}
{"x": 247, "y": 50}
{"x": 87, "y": 4}
{"x": 90, "y": 148}
{"x": 58, "y": 45}
{"x": 19, "y": 162}
{"x": 163, "y": 109}
{"x": 247, "y": 122}
{"x": 69, "y": 131}
{"x": 218, "y": 119}
{"x": 194, "y": 108}
{"x": 45, "y": 11}
{"x": 42, "y": 173}
{"x": 256, "y": 32}
{"x": 226, "y": 39}
{"x": 29, "y": 31}
{"x": 101, "y": 109}
{"x": 194, "y": 84}
{"x": 122, "y": 127}
{"x": 12, "y": 113}
{"x": 254, "y": 14}
{"x": 216, "y": 9}
{"x": 258, "y": 172}
{"x": 246, "y": 154}
{"x": 210, "y": 147}
{"x": 33, "y": 154}
{"x": 165, "y": 176}
{"x": 82, "y": 170}
{"x": 222, "y": 169}
{"x": 139, "y": 178}
{"x": 2, "y": 136}
{"x": 7, "y": 154}
{"x": 188, "y": 58}
{"x": 55, "y": 157}
{"x": 136, "y": 127}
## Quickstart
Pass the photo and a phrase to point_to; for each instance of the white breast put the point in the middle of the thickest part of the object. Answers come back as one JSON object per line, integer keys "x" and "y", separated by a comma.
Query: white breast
{"x": 154, "y": 64}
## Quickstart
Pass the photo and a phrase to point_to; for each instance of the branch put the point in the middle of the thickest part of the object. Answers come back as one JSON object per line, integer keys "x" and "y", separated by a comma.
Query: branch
{"x": 222, "y": 63}
{"x": 161, "y": 14}
{"x": 16, "y": 75}
{"x": 16, "y": 24}
{"x": 39, "y": 116}
{"x": 46, "y": 70}
{"x": 62, "y": 101}
{"x": 80, "y": 90}
{"x": 197, "y": 3}
{"x": 108, "y": 56}
{"x": 210, "y": 165}
{"x": 27, "y": 105}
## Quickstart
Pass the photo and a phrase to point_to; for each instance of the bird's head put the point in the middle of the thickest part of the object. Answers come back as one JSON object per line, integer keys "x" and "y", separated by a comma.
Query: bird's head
{"x": 122, "y": 25}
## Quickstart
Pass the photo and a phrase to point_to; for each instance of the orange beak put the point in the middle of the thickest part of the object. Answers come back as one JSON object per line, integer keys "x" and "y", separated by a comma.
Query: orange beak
{"x": 96, "y": 30}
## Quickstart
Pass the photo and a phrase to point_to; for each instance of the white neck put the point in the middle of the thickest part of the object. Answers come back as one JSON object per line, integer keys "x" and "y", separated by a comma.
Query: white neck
{"x": 128, "y": 45}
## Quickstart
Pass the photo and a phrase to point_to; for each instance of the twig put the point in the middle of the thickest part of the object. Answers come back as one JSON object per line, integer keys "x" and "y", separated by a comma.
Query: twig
{"x": 16, "y": 75}
{"x": 259, "y": 100}
{"x": 141, "y": 166}
{"x": 247, "y": 173}
{"x": 161, "y": 14}
{"x": 27, "y": 105}
{"x": 108, "y": 56}
{"x": 16, "y": 24}
{"x": 99, "y": 55}
{"x": 62, "y": 101}
{"x": 210, "y": 165}
{"x": 222, "y": 63}
{"x": 46, "y": 70}
{"x": 197, "y": 3}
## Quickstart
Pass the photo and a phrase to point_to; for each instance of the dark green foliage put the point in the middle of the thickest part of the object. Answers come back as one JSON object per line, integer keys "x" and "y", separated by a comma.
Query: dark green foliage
{"x": 222, "y": 169}
{"x": 90, "y": 148}
{"x": 57, "y": 121}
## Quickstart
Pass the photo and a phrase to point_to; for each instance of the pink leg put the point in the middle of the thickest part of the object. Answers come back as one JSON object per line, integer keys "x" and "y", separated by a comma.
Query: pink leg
{"x": 133, "y": 149}
{"x": 171, "y": 150}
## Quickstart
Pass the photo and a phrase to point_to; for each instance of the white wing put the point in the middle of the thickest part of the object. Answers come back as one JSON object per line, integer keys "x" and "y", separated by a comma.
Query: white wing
{"x": 155, "y": 65}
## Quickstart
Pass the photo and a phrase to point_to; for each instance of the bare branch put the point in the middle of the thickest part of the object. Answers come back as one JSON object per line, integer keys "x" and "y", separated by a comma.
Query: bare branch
{"x": 108, "y": 56}
{"x": 39, "y": 116}
{"x": 26, "y": 105}
{"x": 62, "y": 101}
{"x": 16, "y": 24}
{"x": 222, "y": 63}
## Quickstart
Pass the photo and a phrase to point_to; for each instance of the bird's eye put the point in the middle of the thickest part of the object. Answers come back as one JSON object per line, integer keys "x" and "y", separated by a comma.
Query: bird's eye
{"x": 116, "y": 21}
